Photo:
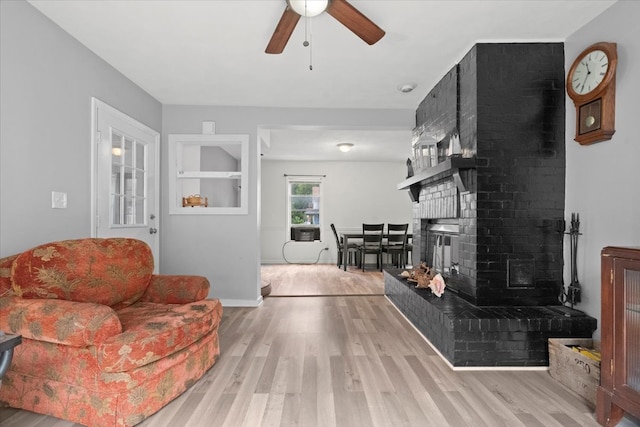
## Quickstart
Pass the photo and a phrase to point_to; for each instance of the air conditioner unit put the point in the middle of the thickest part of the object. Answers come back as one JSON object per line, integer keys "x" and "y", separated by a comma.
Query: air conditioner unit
{"x": 305, "y": 234}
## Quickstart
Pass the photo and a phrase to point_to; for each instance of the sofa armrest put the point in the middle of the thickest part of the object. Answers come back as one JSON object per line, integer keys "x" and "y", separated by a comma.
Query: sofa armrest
{"x": 76, "y": 324}
{"x": 6, "y": 288}
{"x": 168, "y": 289}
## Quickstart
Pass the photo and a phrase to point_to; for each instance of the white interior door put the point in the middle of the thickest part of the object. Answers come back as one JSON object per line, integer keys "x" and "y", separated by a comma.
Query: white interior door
{"x": 125, "y": 193}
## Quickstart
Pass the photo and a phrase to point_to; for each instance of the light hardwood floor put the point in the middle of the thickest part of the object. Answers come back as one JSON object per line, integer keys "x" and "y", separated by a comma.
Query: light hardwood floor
{"x": 321, "y": 279}
{"x": 347, "y": 361}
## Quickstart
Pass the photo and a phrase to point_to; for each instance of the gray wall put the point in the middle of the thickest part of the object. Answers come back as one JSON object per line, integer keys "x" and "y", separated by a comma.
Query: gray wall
{"x": 602, "y": 179}
{"x": 47, "y": 80}
{"x": 353, "y": 193}
{"x": 226, "y": 248}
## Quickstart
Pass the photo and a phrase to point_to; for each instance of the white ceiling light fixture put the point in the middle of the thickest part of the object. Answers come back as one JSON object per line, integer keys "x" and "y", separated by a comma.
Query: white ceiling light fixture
{"x": 308, "y": 8}
{"x": 407, "y": 87}
{"x": 345, "y": 147}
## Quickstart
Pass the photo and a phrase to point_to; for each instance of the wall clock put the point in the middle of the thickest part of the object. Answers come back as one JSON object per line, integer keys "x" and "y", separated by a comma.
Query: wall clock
{"x": 591, "y": 83}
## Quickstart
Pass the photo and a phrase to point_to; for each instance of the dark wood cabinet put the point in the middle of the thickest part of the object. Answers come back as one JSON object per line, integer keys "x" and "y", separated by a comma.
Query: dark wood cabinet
{"x": 619, "y": 389}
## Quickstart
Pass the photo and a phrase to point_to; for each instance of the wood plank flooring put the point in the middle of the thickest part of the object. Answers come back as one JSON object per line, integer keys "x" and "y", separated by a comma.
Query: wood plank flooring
{"x": 321, "y": 279}
{"x": 347, "y": 361}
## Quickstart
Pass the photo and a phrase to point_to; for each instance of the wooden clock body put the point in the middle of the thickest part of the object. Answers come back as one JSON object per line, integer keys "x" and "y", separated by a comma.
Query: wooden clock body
{"x": 595, "y": 107}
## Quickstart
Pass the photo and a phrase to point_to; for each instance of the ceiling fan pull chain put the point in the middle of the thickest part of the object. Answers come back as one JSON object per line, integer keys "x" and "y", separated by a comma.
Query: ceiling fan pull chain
{"x": 310, "y": 50}
{"x": 307, "y": 36}
{"x": 305, "y": 43}
{"x": 306, "y": 21}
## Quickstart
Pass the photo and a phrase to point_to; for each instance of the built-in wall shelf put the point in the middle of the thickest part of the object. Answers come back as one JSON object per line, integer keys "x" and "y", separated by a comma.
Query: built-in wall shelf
{"x": 450, "y": 167}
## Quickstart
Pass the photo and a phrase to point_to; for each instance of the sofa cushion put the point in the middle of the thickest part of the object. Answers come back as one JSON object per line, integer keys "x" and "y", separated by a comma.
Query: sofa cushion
{"x": 152, "y": 331}
{"x": 113, "y": 272}
{"x": 174, "y": 289}
{"x": 72, "y": 323}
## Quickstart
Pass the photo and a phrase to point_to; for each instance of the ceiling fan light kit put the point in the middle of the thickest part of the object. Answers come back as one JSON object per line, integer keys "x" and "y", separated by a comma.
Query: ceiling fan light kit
{"x": 308, "y": 8}
{"x": 341, "y": 10}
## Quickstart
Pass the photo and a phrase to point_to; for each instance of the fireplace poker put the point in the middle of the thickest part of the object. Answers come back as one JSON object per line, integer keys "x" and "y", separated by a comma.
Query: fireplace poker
{"x": 573, "y": 291}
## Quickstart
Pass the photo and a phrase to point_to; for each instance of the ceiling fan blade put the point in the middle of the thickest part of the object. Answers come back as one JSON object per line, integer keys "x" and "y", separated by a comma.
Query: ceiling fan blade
{"x": 283, "y": 31}
{"x": 354, "y": 20}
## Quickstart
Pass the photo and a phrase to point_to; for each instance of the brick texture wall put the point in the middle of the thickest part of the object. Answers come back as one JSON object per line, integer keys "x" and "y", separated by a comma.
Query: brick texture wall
{"x": 507, "y": 102}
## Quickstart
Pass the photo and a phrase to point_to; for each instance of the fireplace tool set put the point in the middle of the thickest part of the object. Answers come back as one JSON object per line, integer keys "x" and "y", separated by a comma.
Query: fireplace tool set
{"x": 572, "y": 294}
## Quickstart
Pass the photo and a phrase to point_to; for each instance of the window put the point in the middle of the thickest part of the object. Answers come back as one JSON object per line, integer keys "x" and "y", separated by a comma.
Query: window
{"x": 128, "y": 181}
{"x": 304, "y": 207}
{"x": 208, "y": 174}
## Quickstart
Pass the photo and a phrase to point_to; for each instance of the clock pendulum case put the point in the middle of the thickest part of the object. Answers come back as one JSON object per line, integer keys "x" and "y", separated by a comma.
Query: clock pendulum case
{"x": 591, "y": 83}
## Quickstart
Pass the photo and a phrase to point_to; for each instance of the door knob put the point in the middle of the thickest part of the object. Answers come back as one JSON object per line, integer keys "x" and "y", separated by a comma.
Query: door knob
{"x": 153, "y": 230}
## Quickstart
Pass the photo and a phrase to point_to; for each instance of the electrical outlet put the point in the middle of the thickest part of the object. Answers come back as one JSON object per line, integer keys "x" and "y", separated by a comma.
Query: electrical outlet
{"x": 58, "y": 200}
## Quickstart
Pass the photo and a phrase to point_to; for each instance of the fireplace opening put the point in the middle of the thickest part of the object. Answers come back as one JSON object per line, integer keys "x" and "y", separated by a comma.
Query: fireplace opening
{"x": 442, "y": 246}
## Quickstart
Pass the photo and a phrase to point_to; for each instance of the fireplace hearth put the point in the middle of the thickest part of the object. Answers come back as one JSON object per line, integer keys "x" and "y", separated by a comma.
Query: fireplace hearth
{"x": 469, "y": 336}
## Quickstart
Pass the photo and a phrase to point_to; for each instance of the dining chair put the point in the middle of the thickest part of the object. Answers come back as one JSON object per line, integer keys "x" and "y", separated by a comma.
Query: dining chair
{"x": 371, "y": 243}
{"x": 395, "y": 246}
{"x": 352, "y": 248}
{"x": 408, "y": 248}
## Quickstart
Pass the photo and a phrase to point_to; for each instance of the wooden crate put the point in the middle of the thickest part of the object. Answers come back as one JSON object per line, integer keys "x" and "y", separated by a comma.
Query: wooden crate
{"x": 576, "y": 371}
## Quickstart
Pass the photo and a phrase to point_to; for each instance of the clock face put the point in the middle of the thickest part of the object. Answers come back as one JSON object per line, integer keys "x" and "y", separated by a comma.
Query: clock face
{"x": 589, "y": 72}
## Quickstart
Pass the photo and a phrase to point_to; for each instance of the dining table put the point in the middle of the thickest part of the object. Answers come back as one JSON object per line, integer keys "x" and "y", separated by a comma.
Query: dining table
{"x": 346, "y": 235}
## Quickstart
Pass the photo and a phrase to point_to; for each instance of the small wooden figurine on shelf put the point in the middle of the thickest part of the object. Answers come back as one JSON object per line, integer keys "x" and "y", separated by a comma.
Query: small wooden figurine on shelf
{"x": 195, "y": 200}
{"x": 409, "y": 168}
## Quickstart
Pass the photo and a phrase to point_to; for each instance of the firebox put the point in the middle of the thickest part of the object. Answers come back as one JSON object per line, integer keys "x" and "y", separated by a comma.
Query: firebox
{"x": 442, "y": 247}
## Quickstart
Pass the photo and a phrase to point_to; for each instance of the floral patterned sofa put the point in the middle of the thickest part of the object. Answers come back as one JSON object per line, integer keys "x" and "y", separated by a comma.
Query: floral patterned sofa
{"x": 105, "y": 342}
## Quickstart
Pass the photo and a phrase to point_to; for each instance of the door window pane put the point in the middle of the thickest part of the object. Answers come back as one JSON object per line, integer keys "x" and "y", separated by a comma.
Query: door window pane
{"x": 139, "y": 209}
{"x": 139, "y": 189}
{"x": 128, "y": 183}
{"x": 128, "y": 211}
{"x": 140, "y": 157}
{"x": 128, "y": 152}
{"x": 115, "y": 210}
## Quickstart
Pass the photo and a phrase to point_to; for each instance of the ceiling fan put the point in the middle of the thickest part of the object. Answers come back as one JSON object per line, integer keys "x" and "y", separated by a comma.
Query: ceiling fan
{"x": 341, "y": 10}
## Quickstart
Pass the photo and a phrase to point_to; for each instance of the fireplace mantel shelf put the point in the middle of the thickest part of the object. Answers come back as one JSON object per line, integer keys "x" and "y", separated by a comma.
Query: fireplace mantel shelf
{"x": 447, "y": 168}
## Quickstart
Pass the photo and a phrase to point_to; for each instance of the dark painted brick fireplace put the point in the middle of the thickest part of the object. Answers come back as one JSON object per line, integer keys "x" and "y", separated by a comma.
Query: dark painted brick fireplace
{"x": 502, "y": 190}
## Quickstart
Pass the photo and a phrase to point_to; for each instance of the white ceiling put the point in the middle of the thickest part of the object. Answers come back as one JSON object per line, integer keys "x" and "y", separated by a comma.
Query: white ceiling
{"x": 211, "y": 52}
{"x": 310, "y": 143}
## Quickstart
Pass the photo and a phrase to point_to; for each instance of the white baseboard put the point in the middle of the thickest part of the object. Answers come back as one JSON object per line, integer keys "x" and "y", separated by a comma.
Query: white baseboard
{"x": 280, "y": 262}
{"x": 241, "y": 302}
